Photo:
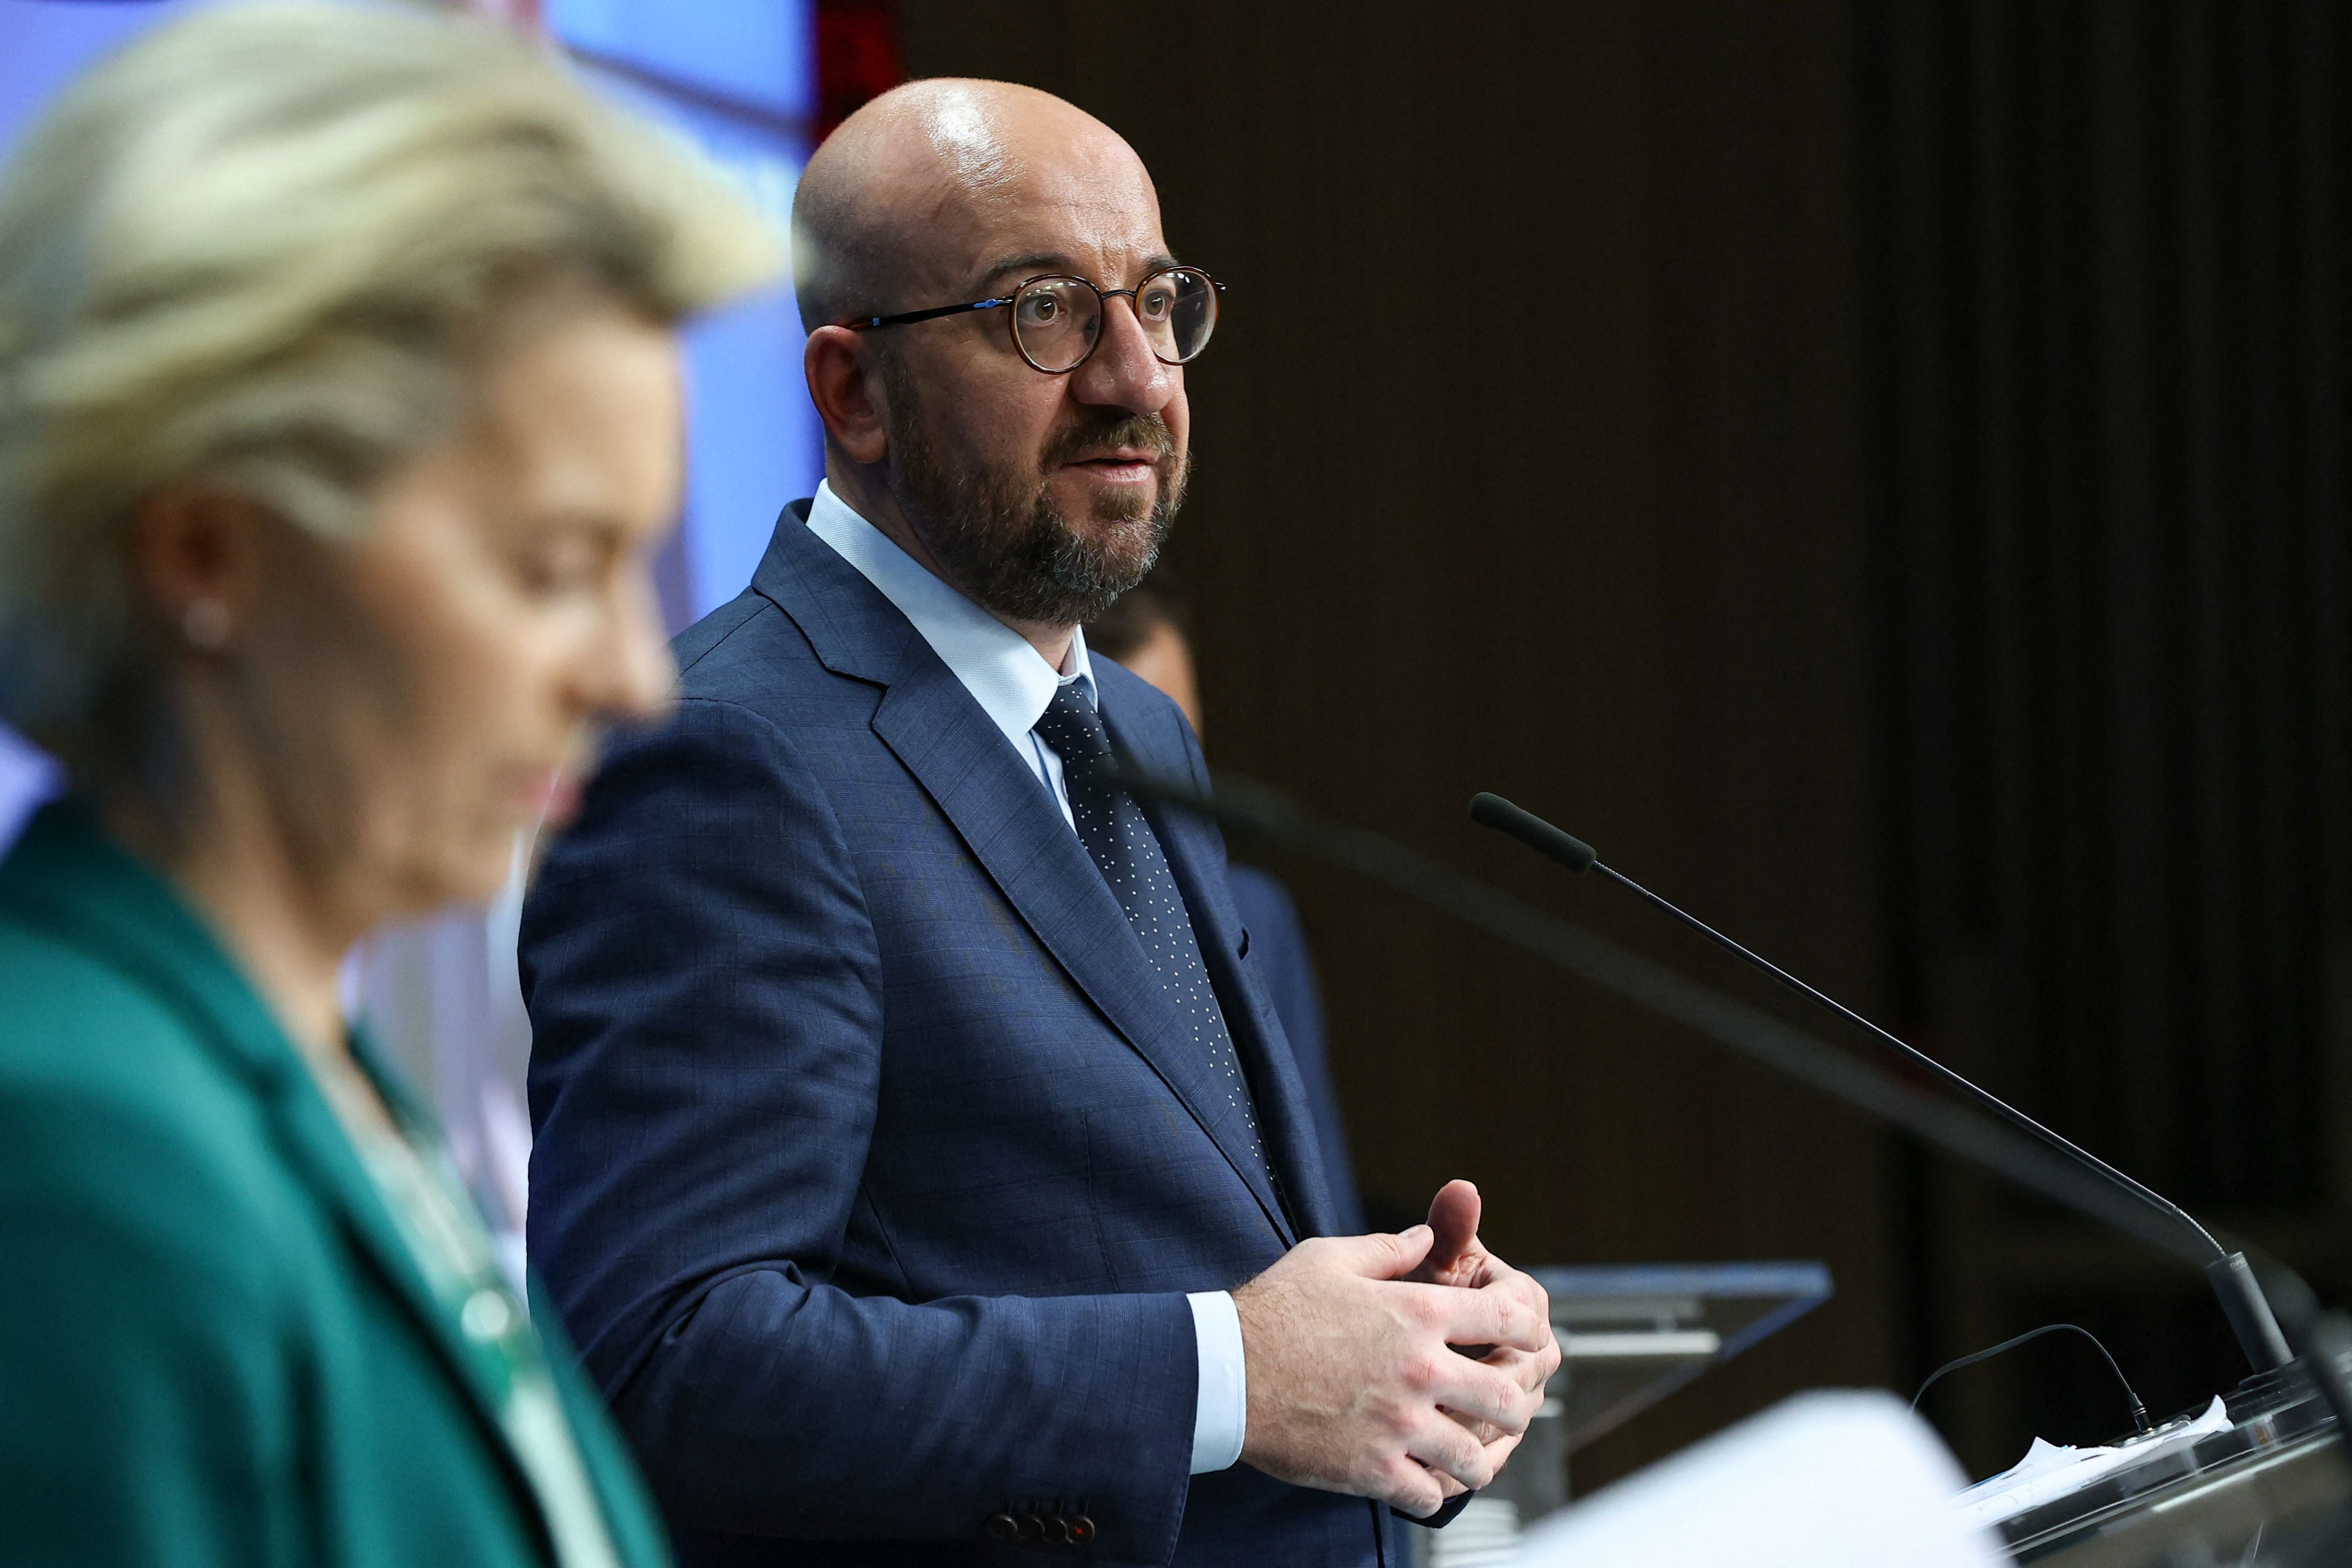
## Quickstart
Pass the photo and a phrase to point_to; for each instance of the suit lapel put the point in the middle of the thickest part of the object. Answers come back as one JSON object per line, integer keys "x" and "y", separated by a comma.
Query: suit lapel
{"x": 1004, "y": 816}
{"x": 314, "y": 1141}
{"x": 1285, "y": 1124}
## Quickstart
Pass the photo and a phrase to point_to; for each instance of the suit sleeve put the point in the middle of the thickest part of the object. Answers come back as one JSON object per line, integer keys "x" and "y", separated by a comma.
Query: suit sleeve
{"x": 706, "y": 1003}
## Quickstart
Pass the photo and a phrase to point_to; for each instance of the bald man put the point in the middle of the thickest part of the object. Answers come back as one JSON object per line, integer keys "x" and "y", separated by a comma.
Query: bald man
{"x": 920, "y": 1163}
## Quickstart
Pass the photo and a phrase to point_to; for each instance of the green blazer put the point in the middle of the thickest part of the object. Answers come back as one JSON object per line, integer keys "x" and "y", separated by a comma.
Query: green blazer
{"x": 215, "y": 1348}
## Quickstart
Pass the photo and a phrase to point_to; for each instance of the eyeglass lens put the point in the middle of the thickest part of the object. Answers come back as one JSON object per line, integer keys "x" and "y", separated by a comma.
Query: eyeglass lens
{"x": 1056, "y": 320}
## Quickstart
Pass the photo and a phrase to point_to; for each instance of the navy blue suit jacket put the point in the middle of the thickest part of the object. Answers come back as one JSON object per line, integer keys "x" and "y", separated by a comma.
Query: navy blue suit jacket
{"x": 872, "y": 1164}
{"x": 1277, "y": 946}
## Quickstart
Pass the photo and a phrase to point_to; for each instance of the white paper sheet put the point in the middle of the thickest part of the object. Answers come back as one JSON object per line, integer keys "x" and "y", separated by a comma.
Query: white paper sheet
{"x": 1823, "y": 1480}
{"x": 2051, "y": 1470}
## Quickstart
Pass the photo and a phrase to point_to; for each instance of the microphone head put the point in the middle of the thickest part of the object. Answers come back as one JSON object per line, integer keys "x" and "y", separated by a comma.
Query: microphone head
{"x": 1492, "y": 811}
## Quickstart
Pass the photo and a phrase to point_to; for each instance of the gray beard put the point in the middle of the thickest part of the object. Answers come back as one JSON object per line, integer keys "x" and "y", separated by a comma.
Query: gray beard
{"x": 997, "y": 534}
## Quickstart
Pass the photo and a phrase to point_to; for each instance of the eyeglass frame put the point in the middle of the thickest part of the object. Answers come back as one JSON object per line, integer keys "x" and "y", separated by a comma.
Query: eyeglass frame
{"x": 1013, "y": 329}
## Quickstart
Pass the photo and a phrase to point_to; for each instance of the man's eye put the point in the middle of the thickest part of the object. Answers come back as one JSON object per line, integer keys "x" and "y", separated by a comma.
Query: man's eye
{"x": 1041, "y": 309}
{"x": 1156, "y": 304}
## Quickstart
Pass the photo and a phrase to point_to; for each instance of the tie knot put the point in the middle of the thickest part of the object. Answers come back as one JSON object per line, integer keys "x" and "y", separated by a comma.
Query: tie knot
{"x": 1072, "y": 727}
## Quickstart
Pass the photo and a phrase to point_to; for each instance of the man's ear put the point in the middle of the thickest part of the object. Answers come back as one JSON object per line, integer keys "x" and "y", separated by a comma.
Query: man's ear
{"x": 842, "y": 380}
{"x": 196, "y": 557}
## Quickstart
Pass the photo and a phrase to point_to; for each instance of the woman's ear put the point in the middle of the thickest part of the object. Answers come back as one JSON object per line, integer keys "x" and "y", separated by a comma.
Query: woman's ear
{"x": 195, "y": 555}
{"x": 842, "y": 372}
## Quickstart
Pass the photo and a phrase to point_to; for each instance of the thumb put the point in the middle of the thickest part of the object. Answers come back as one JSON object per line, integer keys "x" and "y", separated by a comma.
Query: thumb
{"x": 1381, "y": 1256}
{"x": 1454, "y": 1219}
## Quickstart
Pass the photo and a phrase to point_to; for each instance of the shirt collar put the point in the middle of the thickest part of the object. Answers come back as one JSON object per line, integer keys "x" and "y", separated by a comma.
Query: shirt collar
{"x": 1002, "y": 669}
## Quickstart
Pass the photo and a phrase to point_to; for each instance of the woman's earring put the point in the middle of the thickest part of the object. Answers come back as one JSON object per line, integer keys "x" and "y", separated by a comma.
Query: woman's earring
{"x": 205, "y": 625}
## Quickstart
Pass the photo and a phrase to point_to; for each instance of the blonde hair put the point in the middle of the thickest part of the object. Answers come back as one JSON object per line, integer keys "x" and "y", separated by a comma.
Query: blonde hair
{"x": 263, "y": 248}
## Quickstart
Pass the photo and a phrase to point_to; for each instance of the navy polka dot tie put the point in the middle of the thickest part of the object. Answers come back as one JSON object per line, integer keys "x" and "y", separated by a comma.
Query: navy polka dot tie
{"x": 1125, "y": 849}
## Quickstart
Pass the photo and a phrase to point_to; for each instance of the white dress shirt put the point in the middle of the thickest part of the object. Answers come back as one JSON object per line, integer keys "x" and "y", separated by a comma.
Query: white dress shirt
{"x": 1014, "y": 686}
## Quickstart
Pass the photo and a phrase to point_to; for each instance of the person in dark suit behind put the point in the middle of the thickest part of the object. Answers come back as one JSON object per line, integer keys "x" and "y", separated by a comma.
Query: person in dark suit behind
{"x": 919, "y": 1161}
{"x": 1146, "y": 631}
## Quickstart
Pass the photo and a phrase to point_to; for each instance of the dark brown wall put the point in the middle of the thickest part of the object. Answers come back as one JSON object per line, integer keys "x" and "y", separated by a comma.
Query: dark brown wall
{"x": 2110, "y": 266}
{"x": 1530, "y": 460}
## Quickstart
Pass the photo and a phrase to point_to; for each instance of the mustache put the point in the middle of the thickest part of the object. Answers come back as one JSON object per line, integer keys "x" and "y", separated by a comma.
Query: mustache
{"x": 1105, "y": 431}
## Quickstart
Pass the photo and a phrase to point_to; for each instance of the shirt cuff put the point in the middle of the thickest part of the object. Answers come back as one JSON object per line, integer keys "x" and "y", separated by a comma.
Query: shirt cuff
{"x": 1221, "y": 1416}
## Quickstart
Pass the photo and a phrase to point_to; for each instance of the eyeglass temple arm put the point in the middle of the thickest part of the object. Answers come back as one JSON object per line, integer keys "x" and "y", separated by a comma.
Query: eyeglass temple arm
{"x": 907, "y": 318}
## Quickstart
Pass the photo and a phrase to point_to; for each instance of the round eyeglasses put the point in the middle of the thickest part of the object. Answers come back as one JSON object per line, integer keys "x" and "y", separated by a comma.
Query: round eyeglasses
{"x": 1056, "y": 320}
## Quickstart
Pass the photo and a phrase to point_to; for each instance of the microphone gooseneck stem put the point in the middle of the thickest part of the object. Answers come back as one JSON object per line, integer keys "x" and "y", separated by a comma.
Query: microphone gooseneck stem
{"x": 2321, "y": 1340}
{"x": 1746, "y": 1031}
{"x": 2232, "y": 1279}
{"x": 1920, "y": 1059}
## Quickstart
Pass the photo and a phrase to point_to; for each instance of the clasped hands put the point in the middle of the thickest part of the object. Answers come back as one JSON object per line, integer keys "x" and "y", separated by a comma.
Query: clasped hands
{"x": 1399, "y": 1367}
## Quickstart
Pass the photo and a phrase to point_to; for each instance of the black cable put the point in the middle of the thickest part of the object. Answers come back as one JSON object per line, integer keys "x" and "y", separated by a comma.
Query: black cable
{"x": 2139, "y": 1411}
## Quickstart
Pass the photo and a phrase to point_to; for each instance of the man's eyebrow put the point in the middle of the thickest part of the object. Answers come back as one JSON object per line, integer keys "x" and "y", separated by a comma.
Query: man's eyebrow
{"x": 1053, "y": 262}
{"x": 1029, "y": 265}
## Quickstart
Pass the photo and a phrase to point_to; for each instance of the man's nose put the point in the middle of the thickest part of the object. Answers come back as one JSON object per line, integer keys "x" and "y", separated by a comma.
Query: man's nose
{"x": 1123, "y": 372}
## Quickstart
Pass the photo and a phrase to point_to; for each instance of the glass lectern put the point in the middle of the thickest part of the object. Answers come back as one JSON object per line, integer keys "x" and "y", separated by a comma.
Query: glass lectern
{"x": 1629, "y": 1336}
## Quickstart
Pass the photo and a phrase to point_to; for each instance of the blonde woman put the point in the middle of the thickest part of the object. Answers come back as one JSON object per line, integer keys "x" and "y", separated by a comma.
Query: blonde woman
{"x": 339, "y": 410}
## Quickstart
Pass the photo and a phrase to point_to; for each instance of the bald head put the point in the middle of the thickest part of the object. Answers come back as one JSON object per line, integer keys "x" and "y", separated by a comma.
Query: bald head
{"x": 1040, "y": 494}
{"x": 919, "y": 191}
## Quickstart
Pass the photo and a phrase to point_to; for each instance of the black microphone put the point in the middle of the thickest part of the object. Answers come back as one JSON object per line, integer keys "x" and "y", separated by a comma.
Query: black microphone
{"x": 2232, "y": 1278}
{"x": 2321, "y": 1338}
{"x": 1747, "y": 1031}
